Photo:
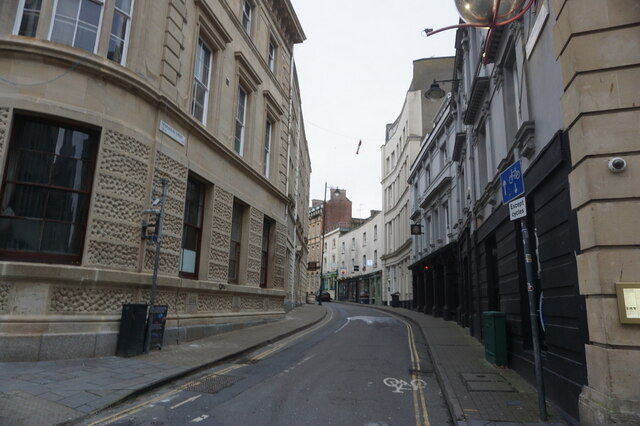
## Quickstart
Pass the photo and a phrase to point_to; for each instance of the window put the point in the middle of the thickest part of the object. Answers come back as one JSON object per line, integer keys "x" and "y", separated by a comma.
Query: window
{"x": 76, "y": 23}
{"x": 46, "y": 191}
{"x": 333, "y": 244}
{"x": 364, "y": 239}
{"x": 364, "y": 262}
{"x": 268, "y": 130}
{"x": 343, "y": 250}
{"x": 27, "y": 19}
{"x": 246, "y": 16}
{"x": 375, "y": 232}
{"x": 192, "y": 228}
{"x": 118, "y": 40}
{"x": 201, "y": 82}
{"x": 375, "y": 258}
{"x": 264, "y": 261}
{"x": 241, "y": 115}
{"x": 271, "y": 59}
{"x": 236, "y": 235}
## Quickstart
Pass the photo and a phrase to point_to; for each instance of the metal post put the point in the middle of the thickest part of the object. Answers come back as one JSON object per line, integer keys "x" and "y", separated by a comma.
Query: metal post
{"x": 156, "y": 264}
{"x": 542, "y": 408}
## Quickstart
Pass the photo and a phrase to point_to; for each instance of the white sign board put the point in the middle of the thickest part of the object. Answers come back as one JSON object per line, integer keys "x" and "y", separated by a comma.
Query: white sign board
{"x": 172, "y": 133}
{"x": 517, "y": 208}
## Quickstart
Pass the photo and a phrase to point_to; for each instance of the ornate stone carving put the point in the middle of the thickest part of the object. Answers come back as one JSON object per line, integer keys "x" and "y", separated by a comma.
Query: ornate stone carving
{"x": 5, "y": 289}
{"x": 114, "y": 232}
{"x": 215, "y": 303}
{"x": 280, "y": 255}
{"x": 220, "y": 235}
{"x": 113, "y": 255}
{"x": 176, "y": 174}
{"x": 252, "y": 303}
{"x": 176, "y": 301}
{"x": 89, "y": 299}
{"x": 254, "y": 250}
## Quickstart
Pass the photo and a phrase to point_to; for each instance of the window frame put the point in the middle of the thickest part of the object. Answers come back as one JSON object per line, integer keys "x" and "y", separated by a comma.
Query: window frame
{"x": 267, "y": 227}
{"x": 125, "y": 41}
{"x": 268, "y": 141}
{"x": 272, "y": 48}
{"x": 47, "y": 257}
{"x": 98, "y": 28}
{"x": 247, "y": 16}
{"x": 196, "y": 81}
{"x": 198, "y": 227}
{"x": 20, "y": 16}
{"x": 238, "y": 141}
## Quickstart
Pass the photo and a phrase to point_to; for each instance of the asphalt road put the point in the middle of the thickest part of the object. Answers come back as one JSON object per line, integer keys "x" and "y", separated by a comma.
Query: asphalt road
{"x": 359, "y": 366}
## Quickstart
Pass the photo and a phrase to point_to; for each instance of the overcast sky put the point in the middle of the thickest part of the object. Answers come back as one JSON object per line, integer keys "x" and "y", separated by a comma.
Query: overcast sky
{"x": 354, "y": 70}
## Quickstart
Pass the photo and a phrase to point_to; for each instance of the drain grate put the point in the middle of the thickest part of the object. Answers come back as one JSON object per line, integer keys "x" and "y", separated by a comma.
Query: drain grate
{"x": 213, "y": 384}
{"x": 486, "y": 382}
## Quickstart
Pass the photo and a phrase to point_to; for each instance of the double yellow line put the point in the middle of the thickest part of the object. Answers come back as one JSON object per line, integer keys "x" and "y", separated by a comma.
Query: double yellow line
{"x": 257, "y": 357}
{"x": 419, "y": 404}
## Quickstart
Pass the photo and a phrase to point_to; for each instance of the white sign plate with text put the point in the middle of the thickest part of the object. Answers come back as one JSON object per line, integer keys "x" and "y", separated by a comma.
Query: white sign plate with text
{"x": 517, "y": 208}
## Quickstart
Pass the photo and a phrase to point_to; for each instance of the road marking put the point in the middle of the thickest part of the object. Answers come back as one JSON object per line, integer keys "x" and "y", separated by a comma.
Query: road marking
{"x": 199, "y": 419}
{"x": 419, "y": 403}
{"x": 402, "y": 386}
{"x": 121, "y": 414}
{"x": 193, "y": 398}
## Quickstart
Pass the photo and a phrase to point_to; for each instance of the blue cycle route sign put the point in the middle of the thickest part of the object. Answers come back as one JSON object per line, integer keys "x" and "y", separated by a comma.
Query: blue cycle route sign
{"x": 512, "y": 182}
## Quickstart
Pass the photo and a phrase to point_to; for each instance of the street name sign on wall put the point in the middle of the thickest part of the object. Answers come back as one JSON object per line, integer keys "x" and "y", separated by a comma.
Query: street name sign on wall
{"x": 517, "y": 208}
{"x": 512, "y": 182}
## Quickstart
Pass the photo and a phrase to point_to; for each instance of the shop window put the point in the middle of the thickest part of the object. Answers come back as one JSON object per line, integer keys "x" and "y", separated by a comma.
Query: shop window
{"x": 46, "y": 191}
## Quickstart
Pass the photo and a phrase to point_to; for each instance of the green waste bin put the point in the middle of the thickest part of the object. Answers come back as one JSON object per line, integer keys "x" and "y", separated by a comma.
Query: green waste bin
{"x": 495, "y": 337}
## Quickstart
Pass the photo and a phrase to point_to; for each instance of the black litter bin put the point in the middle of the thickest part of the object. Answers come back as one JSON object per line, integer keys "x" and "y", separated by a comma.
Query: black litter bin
{"x": 132, "y": 330}
{"x": 395, "y": 300}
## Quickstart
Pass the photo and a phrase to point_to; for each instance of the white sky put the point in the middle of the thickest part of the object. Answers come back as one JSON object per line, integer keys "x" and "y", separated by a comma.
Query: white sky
{"x": 354, "y": 70}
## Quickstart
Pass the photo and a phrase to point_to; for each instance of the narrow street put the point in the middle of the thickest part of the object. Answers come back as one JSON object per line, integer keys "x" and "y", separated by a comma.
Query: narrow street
{"x": 359, "y": 366}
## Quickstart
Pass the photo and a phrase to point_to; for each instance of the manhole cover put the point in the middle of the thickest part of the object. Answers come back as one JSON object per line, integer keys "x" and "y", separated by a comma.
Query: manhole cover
{"x": 213, "y": 384}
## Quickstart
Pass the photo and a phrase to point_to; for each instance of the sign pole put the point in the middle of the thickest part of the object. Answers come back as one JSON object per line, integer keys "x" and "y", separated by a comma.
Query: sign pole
{"x": 512, "y": 183}
{"x": 156, "y": 264}
{"x": 542, "y": 408}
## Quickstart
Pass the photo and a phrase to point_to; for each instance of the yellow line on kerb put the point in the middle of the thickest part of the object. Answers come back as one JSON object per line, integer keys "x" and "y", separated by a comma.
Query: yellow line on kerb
{"x": 419, "y": 404}
{"x": 261, "y": 355}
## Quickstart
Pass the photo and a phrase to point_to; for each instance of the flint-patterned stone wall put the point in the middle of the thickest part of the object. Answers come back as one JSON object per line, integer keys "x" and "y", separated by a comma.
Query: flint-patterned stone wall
{"x": 220, "y": 236}
{"x": 254, "y": 250}
{"x": 280, "y": 261}
{"x": 5, "y": 290}
{"x": 176, "y": 175}
{"x": 114, "y": 231}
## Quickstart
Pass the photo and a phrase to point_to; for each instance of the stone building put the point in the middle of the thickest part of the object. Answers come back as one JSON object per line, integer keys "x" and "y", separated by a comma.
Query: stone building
{"x": 555, "y": 90}
{"x": 103, "y": 99}
{"x": 337, "y": 216}
{"x": 359, "y": 266}
{"x": 402, "y": 142}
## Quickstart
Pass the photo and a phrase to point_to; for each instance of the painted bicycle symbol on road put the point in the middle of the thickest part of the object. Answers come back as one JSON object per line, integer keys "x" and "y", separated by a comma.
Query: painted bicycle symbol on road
{"x": 401, "y": 385}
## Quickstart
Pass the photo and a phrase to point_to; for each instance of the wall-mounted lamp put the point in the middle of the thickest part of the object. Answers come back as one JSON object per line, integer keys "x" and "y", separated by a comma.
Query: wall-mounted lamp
{"x": 416, "y": 229}
{"x": 435, "y": 92}
{"x": 487, "y": 14}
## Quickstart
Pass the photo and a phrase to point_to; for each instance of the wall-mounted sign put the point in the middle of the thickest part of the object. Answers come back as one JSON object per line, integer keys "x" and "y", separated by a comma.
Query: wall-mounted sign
{"x": 172, "y": 133}
{"x": 512, "y": 182}
{"x": 517, "y": 208}
{"x": 628, "y": 302}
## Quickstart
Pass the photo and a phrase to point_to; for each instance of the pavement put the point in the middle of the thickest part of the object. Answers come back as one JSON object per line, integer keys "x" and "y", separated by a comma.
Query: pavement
{"x": 66, "y": 391}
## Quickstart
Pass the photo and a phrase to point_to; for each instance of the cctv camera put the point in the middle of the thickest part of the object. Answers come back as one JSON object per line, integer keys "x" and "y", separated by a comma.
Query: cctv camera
{"x": 617, "y": 165}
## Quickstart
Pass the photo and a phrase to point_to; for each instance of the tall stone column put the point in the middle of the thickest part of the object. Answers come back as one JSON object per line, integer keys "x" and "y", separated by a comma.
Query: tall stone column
{"x": 598, "y": 46}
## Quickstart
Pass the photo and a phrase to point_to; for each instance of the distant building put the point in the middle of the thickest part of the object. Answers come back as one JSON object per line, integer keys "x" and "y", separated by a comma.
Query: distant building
{"x": 359, "y": 267}
{"x": 402, "y": 143}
